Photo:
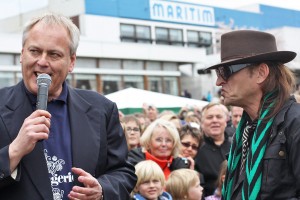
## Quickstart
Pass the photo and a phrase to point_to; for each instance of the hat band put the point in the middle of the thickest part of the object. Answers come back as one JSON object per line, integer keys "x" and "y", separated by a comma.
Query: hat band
{"x": 239, "y": 57}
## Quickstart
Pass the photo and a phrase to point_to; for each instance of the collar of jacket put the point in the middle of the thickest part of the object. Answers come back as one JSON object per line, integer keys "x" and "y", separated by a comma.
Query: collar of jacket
{"x": 209, "y": 140}
{"x": 279, "y": 120}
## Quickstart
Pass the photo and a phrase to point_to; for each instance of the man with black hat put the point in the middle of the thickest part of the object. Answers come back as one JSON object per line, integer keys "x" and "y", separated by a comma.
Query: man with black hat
{"x": 263, "y": 161}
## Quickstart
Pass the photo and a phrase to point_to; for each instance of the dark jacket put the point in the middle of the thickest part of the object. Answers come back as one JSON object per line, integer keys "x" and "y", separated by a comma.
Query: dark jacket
{"x": 281, "y": 164}
{"x": 136, "y": 155}
{"x": 98, "y": 146}
{"x": 208, "y": 161}
{"x": 281, "y": 173}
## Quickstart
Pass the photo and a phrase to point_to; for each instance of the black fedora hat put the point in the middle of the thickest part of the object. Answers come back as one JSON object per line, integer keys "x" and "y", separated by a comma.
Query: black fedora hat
{"x": 248, "y": 46}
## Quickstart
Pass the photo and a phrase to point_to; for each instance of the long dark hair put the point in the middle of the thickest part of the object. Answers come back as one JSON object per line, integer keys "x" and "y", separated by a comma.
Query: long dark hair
{"x": 281, "y": 81}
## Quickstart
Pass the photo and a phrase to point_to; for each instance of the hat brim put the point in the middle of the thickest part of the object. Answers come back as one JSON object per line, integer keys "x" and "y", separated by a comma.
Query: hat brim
{"x": 278, "y": 56}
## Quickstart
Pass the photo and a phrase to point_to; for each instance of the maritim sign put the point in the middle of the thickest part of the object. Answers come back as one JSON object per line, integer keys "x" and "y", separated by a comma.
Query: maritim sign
{"x": 174, "y": 11}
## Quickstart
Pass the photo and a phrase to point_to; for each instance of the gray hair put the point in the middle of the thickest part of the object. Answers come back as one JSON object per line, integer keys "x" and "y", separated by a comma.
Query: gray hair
{"x": 55, "y": 19}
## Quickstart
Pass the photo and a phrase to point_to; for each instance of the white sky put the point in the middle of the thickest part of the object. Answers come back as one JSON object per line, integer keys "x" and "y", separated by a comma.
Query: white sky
{"x": 290, "y": 4}
{"x": 13, "y": 7}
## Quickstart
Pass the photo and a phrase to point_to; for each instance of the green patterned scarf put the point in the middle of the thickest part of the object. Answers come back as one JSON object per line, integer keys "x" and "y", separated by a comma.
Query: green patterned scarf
{"x": 254, "y": 162}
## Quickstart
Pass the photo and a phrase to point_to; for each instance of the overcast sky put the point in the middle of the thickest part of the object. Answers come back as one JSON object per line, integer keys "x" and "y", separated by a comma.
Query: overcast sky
{"x": 13, "y": 7}
{"x": 290, "y": 4}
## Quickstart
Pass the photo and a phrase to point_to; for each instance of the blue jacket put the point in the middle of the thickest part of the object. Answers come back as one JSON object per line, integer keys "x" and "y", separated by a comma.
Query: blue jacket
{"x": 164, "y": 196}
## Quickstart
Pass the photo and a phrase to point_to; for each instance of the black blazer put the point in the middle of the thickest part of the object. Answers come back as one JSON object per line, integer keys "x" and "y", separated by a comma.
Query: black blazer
{"x": 98, "y": 146}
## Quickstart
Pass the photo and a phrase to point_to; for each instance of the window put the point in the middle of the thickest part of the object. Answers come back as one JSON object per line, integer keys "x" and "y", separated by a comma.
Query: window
{"x": 6, "y": 59}
{"x": 86, "y": 62}
{"x": 127, "y": 33}
{"x": 135, "y": 33}
{"x": 155, "y": 84}
{"x": 176, "y": 37}
{"x": 134, "y": 81}
{"x": 86, "y": 81}
{"x": 168, "y": 66}
{"x": 133, "y": 65}
{"x": 110, "y": 83}
{"x": 7, "y": 79}
{"x": 171, "y": 86}
{"x": 17, "y": 59}
{"x": 199, "y": 39}
{"x": 169, "y": 36}
{"x": 162, "y": 36}
{"x": 110, "y": 64}
{"x": 152, "y": 65}
{"x": 143, "y": 34}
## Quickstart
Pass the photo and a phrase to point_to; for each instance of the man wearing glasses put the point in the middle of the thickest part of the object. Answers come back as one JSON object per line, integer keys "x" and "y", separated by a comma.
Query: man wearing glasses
{"x": 263, "y": 162}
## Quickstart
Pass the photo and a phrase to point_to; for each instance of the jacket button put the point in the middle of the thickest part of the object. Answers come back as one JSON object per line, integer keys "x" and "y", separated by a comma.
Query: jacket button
{"x": 281, "y": 153}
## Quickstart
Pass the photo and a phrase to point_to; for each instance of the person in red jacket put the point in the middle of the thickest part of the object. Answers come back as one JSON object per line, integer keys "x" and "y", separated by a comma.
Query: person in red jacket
{"x": 160, "y": 143}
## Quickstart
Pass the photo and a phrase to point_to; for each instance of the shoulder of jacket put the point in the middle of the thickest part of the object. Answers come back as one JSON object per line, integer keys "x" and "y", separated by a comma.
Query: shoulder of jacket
{"x": 136, "y": 155}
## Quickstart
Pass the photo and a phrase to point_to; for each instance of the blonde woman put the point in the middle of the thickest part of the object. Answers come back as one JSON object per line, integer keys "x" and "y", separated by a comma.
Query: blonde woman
{"x": 160, "y": 143}
{"x": 150, "y": 183}
{"x": 184, "y": 184}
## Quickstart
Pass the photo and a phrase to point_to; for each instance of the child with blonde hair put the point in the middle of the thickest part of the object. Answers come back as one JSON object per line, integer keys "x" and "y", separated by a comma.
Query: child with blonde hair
{"x": 184, "y": 184}
{"x": 150, "y": 183}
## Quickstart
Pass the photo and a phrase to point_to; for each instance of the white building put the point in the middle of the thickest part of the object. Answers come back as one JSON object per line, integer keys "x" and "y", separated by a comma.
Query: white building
{"x": 148, "y": 44}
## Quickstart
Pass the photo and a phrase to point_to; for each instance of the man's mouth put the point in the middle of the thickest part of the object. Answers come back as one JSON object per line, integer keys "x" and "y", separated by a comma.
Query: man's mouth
{"x": 39, "y": 73}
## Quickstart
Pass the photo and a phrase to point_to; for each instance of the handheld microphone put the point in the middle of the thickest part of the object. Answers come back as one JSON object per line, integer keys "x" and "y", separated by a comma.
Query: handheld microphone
{"x": 43, "y": 82}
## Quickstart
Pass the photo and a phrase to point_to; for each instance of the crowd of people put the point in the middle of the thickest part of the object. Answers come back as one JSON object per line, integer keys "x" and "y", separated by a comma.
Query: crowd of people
{"x": 191, "y": 143}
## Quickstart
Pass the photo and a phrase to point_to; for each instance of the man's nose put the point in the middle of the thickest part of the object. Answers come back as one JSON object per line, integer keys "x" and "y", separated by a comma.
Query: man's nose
{"x": 43, "y": 60}
{"x": 220, "y": 81}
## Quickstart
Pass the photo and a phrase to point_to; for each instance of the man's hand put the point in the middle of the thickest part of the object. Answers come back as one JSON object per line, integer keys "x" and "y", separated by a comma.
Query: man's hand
{"x": 35, "y": 128}
{"x": 92, "y": 189}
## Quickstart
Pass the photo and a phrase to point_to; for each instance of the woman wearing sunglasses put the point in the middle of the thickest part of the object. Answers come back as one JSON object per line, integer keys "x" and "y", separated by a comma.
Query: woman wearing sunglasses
{"x": 191, "y": 139}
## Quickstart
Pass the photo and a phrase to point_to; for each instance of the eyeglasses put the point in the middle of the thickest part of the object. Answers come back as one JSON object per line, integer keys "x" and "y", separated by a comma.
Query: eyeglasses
{"x": 132, "y": 129}
{"x": 187, "y": 145}
{"x": 226, "y": 71}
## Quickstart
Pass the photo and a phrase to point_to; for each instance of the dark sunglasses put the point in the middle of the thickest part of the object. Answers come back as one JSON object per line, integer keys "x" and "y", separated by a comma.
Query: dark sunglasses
{"x": 226, "y": 71}
{"x": 187, "y": 145}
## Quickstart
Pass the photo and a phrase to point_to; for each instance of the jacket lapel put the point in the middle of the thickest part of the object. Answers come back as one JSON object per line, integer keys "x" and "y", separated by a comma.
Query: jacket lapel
{"x": 17, "y": 108}
{"x": 84, "y": 123}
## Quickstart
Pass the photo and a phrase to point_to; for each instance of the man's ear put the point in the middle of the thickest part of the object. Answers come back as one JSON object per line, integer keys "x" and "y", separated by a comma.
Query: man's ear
{"x": 72, "y": 64}
{"x": 262, "y": 73}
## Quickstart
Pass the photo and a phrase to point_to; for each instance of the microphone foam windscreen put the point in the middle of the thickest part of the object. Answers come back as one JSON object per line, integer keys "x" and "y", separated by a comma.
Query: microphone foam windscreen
{"x": 43, "y": 78}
